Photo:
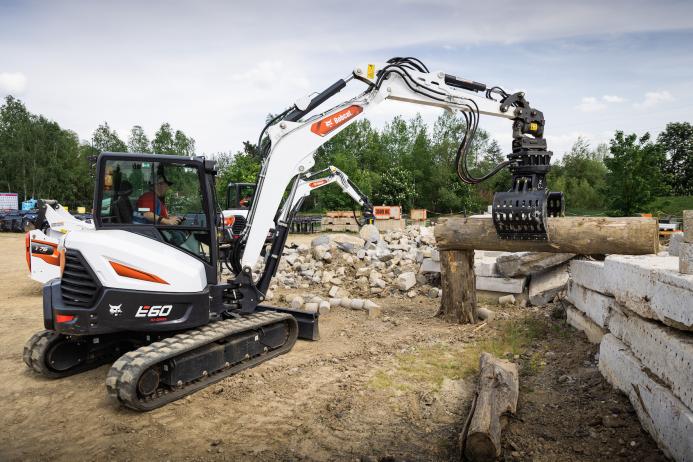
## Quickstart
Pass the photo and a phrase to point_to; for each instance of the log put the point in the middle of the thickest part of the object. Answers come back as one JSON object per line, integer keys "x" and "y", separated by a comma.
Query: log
{"x": 579, "y": 235}
{"x": 458, "y": 302}
{"x": 497, "y": 394}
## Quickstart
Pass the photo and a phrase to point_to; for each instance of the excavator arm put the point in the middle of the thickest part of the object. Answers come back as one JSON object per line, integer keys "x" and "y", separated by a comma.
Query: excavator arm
{"x": 294, "y": 136}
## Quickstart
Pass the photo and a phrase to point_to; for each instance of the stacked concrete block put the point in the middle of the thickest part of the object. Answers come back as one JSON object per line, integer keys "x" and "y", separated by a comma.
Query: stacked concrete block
{"x": 686, "y": 247}
{"x": 545, "y": 286}
{"x": 640, "y": 310}
{"x": 652, "y": 286}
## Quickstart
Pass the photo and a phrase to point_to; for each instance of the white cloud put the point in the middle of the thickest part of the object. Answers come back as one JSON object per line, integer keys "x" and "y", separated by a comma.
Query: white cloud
{"x": 591, "y": 104}
{"x": 613, "y": 99}
{"x": 12, "y": 83}
{"x": 653, "y": 98}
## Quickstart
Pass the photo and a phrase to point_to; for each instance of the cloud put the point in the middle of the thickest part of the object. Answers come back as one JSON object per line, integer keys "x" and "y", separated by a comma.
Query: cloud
{"x": 653, "y": 98}
{"x": 12, "y": 83}
{"x": 591, "y": 104}
{"x": 613, "y": 99}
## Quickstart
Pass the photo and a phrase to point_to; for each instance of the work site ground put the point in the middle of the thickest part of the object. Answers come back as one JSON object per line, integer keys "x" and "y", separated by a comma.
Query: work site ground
{"x": 397, "y": 386}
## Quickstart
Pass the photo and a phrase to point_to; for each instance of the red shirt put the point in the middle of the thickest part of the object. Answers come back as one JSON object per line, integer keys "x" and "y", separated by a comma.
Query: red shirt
{"x": 149, "y": 201}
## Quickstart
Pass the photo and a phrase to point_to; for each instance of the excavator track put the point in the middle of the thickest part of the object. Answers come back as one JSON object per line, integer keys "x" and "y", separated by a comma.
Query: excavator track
{"x": 54, "y": 355}
{"x": 137, "y": 379}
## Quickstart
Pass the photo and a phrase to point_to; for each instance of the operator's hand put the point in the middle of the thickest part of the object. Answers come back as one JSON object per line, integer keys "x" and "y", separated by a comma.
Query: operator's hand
{"x": 174, "y": 220}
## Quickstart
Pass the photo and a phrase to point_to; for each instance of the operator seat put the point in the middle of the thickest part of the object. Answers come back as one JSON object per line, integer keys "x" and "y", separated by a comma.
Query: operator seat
{"x": 123, "y": 206}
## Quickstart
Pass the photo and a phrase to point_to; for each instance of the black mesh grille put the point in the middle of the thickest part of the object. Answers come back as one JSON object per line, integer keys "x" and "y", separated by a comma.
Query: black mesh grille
{"x": 238, "y": 225}
{"x": 78, "y": 285}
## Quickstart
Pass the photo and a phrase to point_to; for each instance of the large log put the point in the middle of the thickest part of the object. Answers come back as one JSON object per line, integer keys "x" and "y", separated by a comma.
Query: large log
{"x": 580, "y": 235}
{"x": 497, "y": 394}
{"x": 458, "y": 301}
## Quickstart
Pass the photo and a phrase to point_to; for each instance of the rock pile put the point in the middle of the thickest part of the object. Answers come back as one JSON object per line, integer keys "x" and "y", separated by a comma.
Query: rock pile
{"x": 352, "y": 269}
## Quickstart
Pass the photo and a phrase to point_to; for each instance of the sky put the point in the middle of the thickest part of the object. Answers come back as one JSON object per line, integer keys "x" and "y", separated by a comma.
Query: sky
{"x": 216, "y": 69}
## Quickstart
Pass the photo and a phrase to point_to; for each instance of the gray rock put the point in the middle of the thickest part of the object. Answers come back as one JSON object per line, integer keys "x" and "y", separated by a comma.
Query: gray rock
{"x": 527, "y": 263}
{"x": 346, "y": 247}
{"x": 674, "y": 243}
{"x": 324, "y": 307}
{"x": 311, "y": 307}
{"x": 320, "y": 240}
{"x": 428, "y": 265}
{"x": 297, "y": 302}
{"x": 544, "y": 286}
{"x": 406, "y": 281}
{"x": 370, "y": 233}
{"x": 320, "y": 251}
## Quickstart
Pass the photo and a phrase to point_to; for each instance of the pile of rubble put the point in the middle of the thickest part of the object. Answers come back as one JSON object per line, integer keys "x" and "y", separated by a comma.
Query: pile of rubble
{"x": 351, "y": 270}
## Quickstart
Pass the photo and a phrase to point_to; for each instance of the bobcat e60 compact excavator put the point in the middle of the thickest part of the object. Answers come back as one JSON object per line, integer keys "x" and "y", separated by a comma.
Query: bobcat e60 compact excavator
{"x": 145, "y": 287}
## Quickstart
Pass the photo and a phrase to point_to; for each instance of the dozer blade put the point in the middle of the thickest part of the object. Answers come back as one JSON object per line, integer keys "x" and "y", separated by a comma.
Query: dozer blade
{"x": 164, "y": 371}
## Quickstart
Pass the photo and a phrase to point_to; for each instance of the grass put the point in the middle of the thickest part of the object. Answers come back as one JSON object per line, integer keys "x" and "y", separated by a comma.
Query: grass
{"x": 670, "y": 205}
{"x": 430, "y": 366}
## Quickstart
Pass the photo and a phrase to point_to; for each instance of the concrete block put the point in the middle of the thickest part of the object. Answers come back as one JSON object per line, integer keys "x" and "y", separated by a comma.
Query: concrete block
{"x": 661, "y": 413}
{"x": 406, "y": 281}
{"x": 486, "y": 266}
{"x": 528, "y": 263}
{"x": 596, "y": 306}
{"x": 652, "y": 286}
{"x": 688, "y": 226}
{"x": 674, "y": 242}
{"x": 589, "y": 274}
{"x": 581, "y": 322}
{"x": 544, "y": 286}
{"x": 666, "y": 352}
{"x": 505, "y": 285}
{"x": 428, "y": 265}
{"x": 686, "y": 258}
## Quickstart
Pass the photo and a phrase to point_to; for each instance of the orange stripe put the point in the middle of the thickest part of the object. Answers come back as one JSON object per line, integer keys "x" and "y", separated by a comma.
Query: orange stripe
{"x": 128, "y": 272}
{"x": 52, "y": 259}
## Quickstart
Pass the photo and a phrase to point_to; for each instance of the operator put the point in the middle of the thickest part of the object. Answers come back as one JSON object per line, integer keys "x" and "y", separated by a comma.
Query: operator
{"x": 154, "y": 201}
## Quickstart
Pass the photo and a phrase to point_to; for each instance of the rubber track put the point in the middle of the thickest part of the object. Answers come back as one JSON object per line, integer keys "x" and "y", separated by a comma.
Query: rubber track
{"x": 37, "y": 346}
{"x": 122, "y": 378}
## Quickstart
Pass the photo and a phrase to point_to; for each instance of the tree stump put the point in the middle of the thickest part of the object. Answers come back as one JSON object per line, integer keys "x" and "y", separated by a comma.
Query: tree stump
{"x": 458, "y": 302}
{"x": 497, "y": 394}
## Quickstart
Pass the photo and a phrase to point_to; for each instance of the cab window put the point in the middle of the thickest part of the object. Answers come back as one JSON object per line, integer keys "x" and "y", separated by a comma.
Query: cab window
{"x": 167, "y": 196}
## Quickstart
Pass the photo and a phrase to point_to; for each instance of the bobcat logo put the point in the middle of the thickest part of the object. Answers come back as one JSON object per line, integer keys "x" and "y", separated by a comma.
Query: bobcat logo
{"x": 115, "y": 309}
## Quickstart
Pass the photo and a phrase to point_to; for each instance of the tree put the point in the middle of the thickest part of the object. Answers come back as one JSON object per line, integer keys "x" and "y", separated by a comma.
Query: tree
{"x": 636, "y": 172}
{"x": 106, "y": 140}
{"x": 396, "y": 188}
{"x": 138, "y": 141}
{"x": 677, "y": 141}
{"x": 163, "y": 140}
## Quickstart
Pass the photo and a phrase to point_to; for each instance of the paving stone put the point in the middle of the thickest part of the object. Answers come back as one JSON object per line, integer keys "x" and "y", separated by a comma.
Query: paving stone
{"x": 652, "y": 286}
{"x": 661, "y": 413}
{"x": 596, "y": 306}
{"x": 506, "y": 285}
{"x": 667, "y": 352}
{"x": 589, "y": 274}
{"x": 544, "y": 286}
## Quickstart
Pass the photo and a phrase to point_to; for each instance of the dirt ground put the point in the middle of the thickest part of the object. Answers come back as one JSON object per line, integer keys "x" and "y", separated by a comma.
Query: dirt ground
{"x": 392, "y": 388}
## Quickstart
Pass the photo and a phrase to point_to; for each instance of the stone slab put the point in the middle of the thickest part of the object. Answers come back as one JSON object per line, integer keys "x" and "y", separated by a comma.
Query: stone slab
{"x": 661, "y": 414}
{"x": 589, "y": 274}
{"x": 666, "y": 352}
{"x": 581, "y": 322}
{"x": 686, "y": 258}
{"x": 428, "y": 265}
{"x": 674, "y": 242}
{"x": 486, "y": 266}
{"x": 652, "y": 286}
{"x": 688, "y": 226}
{"x": 544, "y": 286}
{"x": 506, "y": 285}
{"x": 513, "y": 264}
{"x": 596, "y": 306}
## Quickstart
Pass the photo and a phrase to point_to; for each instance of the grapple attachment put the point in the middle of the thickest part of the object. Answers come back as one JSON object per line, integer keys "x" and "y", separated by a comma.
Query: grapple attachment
{"x": 521, "y": 213}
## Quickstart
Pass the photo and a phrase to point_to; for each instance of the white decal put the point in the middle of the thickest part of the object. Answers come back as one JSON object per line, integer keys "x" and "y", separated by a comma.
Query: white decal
{"x": 115, "y": 309}
{"x": 153, "y": 311}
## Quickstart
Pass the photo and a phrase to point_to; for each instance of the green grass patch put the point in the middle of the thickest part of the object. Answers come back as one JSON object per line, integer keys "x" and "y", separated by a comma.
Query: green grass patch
{"x": 670, "y": 205}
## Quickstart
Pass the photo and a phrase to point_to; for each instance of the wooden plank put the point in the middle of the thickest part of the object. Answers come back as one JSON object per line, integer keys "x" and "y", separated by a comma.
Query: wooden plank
{"x": 579, "y": 235}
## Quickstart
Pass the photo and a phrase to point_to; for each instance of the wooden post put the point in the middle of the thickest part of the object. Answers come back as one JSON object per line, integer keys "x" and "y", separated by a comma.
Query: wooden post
{"x": 579, "y": 235}
{"x": 458, "y": 303}
{"x": 497, "y": 393}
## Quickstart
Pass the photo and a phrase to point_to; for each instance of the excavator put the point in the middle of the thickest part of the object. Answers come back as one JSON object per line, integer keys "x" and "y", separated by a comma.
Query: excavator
{"x": 144, "y": 290}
